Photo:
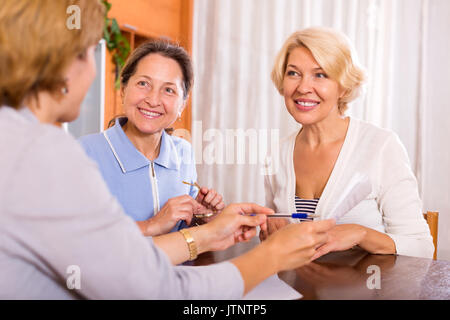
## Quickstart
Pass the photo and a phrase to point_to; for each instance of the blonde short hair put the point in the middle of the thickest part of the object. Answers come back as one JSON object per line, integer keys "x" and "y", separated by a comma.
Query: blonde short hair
{"x": 333, "y": 52}
{"x": 36, "y": 46}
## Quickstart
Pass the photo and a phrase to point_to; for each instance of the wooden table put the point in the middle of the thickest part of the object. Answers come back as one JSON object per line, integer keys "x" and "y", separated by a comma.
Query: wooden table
{"x": 352, "y": 275}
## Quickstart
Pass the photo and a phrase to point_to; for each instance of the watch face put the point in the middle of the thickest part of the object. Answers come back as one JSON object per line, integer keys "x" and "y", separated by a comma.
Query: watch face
{"x": 191, "y": 244}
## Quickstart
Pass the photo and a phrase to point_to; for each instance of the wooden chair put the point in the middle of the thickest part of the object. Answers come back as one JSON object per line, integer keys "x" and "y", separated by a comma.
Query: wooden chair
{"x": 432, "y": 220}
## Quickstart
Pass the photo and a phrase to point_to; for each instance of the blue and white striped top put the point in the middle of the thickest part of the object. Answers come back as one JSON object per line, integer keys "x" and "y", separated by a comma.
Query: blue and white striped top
{"x": 307, "y": 206}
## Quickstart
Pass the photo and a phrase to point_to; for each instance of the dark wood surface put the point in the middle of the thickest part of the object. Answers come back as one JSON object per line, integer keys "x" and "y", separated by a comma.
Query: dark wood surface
{"x": 346, "y": 275}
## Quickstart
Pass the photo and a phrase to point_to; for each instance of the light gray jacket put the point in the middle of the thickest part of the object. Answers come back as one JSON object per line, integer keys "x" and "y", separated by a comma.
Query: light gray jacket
{"x": 60, "y": 228}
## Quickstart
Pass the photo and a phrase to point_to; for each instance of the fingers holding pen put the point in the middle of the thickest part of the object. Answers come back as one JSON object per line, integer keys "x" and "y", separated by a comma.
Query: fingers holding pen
{"x": 201, "y": 194}
{"x": 210, "y": 198}
{"x": 175, "y": 209}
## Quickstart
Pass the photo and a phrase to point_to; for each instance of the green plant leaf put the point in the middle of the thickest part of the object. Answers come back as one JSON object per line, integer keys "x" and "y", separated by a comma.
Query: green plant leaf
{"x": 116, "y": 43}
{"x": 123, "y": 45}
{"x": 107, "y": 6}
{"x": 117, "y": 84}
{"x": 106, "y": 35}
{"x": 115, "y": 27}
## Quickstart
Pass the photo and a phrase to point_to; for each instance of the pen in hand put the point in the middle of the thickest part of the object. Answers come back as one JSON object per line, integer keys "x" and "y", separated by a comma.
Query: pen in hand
{"x": 195, "y": 184}
{"x": 303, "y": 216}
{"x": 199, "y": 215}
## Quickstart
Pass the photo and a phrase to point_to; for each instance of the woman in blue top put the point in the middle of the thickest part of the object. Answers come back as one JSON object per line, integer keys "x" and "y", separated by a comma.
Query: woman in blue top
{"x": 143, "y": 165}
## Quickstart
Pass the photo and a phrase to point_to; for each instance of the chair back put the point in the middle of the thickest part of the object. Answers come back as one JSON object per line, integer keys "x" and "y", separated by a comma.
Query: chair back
{"x": 432, "y": 220}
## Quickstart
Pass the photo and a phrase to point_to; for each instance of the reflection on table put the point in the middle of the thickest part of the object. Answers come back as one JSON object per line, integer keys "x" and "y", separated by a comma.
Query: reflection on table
{"x": 352, "y": 274}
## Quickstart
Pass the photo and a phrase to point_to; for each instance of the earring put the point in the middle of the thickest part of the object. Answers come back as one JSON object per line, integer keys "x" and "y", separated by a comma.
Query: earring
{"x": 179, "y": 116}
{"x": 65, "y": 90}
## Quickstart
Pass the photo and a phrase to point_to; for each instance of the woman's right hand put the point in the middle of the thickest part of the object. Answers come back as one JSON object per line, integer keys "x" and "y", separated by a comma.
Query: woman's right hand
{"x": 175, "y": 209}
{"x": 296, "y": 243}
{"x": 288, "y": 248}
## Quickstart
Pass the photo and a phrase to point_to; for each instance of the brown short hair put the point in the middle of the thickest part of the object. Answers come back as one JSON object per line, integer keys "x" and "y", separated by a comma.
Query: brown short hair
{"x": 335, "y": 55}
{"x": 166, "y": 49}
{"x": 36, "y": 46}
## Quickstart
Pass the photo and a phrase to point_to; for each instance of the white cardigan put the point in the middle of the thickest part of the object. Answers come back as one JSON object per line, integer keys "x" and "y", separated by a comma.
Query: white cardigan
{"x": 393, "y": 207}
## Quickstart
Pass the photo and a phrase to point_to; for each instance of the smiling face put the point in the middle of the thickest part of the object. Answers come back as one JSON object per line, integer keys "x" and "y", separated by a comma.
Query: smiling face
{"x": 310, "y": 96}
{"x": 153, "y": 96}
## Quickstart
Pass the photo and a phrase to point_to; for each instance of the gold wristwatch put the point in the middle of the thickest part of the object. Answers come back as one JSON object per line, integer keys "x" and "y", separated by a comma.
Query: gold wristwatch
{"x": 191, "y": 244}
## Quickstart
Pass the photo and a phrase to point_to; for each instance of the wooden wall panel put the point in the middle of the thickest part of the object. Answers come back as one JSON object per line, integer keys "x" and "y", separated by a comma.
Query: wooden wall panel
{"x": 149, "y": 19}
{"x": 155, "y": 17}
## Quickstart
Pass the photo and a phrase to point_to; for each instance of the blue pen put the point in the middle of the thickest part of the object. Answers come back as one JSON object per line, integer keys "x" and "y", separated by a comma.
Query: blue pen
{"x": 293, "y": 215}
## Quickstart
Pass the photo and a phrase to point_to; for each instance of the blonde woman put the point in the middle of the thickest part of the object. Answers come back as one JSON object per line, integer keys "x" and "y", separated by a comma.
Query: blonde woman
{"x": 317, "y": 73}
{"x": 58, "y": 219}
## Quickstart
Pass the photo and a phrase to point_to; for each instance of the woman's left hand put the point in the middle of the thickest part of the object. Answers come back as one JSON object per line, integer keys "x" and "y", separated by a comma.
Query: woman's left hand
{"x": 210, "y": 199}
{"x": 341, "y": 237}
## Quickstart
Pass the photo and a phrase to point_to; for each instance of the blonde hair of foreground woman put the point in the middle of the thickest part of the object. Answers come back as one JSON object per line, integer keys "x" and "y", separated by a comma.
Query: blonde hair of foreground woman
{"x": 333, "y": 52}
{"x": 24, "y": 73}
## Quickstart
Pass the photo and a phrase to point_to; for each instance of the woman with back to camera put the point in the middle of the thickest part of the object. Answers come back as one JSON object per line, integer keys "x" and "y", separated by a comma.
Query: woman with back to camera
{"x": 316, "y": 72}
{"x": 144, "y": 166}
{"x": 56, "y": 211}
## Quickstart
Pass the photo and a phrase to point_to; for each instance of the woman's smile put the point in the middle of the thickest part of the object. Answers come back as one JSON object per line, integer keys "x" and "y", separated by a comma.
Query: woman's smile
{"x": 149, "y": 114}
{"x": 306, "y": 104}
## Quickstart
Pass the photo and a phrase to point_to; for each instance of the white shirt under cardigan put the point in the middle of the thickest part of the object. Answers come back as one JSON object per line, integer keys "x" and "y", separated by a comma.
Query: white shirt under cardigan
{"x": 393, "y": 207}
{"x": 56, "y": 211}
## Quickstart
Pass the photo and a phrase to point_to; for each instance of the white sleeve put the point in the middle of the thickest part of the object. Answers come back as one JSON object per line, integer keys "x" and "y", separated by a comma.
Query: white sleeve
{"x": 400, "y": 203}
{"x": 68, "y": 217}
